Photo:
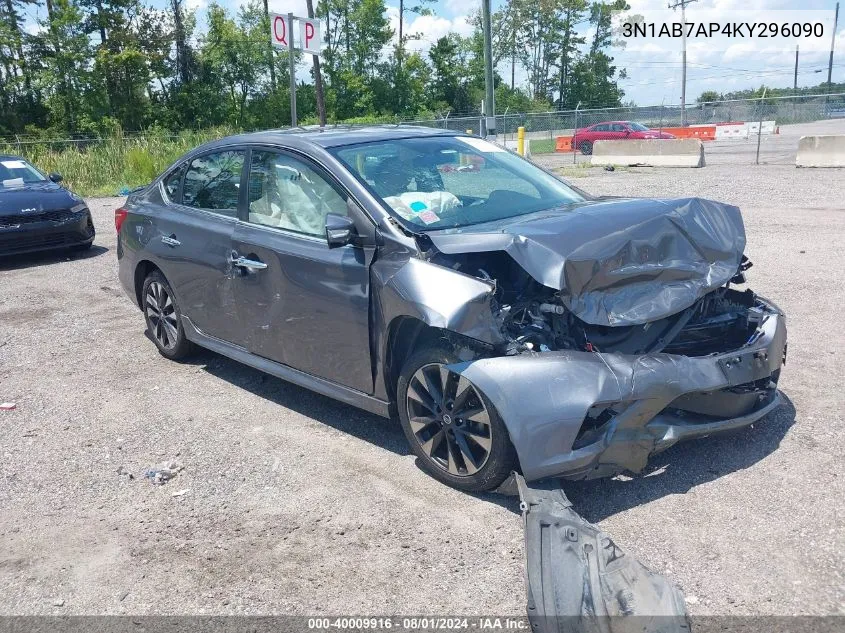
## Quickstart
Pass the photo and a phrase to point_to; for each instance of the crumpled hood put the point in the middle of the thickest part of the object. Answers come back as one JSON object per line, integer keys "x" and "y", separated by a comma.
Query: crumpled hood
{"x": 621, "y": 261}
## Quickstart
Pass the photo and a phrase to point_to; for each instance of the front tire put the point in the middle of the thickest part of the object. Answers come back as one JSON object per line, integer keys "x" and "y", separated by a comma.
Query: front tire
{"x": 586, "y": 148}
{"x": 450, "y": 424}
{"x": 164, "y": 319}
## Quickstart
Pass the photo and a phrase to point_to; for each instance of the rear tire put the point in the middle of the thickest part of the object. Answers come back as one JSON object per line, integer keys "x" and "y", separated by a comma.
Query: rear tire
{"x": 455, "y": 432}
{"x": 163, "y": 317}
{"x": 586, "y": 148}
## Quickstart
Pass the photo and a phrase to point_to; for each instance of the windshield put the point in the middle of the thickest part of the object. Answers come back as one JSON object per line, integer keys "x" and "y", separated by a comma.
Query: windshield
{"x": 638, "y": 127}
{"x": 452, "y": 181}
{"x": 15, "y": 172}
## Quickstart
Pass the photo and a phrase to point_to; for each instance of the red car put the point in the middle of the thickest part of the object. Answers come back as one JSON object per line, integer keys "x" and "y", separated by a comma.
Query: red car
{"x": 613, "y": 131}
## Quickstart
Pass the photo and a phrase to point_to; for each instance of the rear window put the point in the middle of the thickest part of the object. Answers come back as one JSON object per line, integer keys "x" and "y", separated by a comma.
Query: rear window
{"x": 213, "y": 181}
{"x": 172, "y": 182}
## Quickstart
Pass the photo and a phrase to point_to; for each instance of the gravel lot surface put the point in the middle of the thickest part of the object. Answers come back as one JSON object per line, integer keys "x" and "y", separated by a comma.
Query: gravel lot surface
{"x": 298, "y": 504}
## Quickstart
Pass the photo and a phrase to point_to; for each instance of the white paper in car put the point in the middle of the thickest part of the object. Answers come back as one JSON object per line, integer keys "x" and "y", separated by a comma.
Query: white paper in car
{"x": 13, "y": 182}
{"x": 480, "y": 144}
{"x": 13, "y": 164}
{"x": 423, "y": 206}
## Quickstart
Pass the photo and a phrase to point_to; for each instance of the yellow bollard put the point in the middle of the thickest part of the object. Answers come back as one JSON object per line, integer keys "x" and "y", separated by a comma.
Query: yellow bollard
{"x": 469, "y": 131}
{"x": 520, "y": 141}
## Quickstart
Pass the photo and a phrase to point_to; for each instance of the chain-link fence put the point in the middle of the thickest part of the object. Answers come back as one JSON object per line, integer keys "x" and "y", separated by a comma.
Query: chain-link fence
{"x": 541, "y": 127}
{"x": 548, "y": 125}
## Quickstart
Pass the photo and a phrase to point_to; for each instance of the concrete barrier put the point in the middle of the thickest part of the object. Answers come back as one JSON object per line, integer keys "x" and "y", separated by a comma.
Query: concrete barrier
{"x": 736, "y": 131}
{"x": 821, "y": 151}
{"x": 680, "y": 152}
{"x": 702, "y": 132}
{"x": 563, "y": 144}
{"x": 768, "y": 127}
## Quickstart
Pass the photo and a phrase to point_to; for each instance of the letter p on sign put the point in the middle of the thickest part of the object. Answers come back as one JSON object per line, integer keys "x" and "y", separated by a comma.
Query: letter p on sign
{"x": 309, "y": 36}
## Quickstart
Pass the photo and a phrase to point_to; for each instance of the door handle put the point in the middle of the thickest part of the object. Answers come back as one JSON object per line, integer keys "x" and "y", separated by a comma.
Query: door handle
{"x": 171, "y": 241}
{"x": 249, "y": 264}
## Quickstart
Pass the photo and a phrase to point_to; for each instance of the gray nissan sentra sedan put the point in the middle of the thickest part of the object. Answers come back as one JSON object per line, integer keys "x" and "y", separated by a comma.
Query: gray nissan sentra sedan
{"x": 510, "y": 321}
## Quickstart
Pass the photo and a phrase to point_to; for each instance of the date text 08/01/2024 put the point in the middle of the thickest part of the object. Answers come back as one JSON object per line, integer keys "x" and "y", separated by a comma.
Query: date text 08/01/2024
{"x": 420, "y": 623}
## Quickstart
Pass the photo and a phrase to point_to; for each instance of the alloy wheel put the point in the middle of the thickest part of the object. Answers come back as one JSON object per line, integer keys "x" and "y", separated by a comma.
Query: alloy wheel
{"x": 449, "y": 420}
{"x": 162, "y": 315}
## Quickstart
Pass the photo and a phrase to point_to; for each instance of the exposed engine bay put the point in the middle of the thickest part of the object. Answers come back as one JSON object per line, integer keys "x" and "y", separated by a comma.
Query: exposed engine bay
{"x": 532, "y": 316}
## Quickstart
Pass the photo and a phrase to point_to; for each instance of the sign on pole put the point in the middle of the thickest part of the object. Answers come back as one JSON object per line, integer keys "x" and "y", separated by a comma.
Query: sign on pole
{"x": 279, "y": 30}
{"x": 309, "y": 35}
{"x": 281, "y": 36}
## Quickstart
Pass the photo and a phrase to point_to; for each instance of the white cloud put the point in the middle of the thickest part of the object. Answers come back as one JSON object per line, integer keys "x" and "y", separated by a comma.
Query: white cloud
{"x": 461, "y": 7}
{"x": 429, "y": 28}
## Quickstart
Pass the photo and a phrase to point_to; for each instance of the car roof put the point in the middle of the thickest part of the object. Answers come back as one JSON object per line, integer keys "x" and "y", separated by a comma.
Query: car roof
{"x": 12, "y": 157}
{"x": 331, "y": 136}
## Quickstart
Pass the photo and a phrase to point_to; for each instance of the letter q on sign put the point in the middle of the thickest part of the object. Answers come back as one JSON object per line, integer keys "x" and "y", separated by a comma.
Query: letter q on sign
{"x": 279, "y": 30}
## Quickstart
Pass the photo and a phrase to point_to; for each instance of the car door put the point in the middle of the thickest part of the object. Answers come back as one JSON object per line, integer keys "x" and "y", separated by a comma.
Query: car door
{"x": 619, "y": 131}
{"x": 195, "y": 238}
{"x": 300, "y": 302}
{"x": 603, "y": 132}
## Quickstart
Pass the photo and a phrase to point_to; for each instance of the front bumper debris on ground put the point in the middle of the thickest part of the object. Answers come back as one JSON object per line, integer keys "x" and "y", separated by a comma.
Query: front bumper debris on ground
{"x": 579, "y": 580}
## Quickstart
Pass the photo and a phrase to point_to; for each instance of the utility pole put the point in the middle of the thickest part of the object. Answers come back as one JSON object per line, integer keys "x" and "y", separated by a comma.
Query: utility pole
{"x": 795, "y": 81}
{"x": 683, "y": 4}
{"x": 318, "y": 75}
{"x": 271, "y": 56}
{"x": 489, "y": 101}
{"x": 292, "y": 64}
{"x": 832, "y": 44}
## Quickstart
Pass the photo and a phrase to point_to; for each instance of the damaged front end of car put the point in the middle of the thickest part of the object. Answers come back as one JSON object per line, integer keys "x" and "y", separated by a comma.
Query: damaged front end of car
{"x": 614, "y": 329}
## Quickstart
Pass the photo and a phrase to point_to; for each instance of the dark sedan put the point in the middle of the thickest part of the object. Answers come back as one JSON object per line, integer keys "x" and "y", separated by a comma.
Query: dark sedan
{"x": 510, "y": 321}
{"x": 37, "y": 214}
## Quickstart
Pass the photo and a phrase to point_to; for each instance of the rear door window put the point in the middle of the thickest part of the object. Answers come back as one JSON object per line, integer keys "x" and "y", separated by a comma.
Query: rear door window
{"x": 213, "y": 182}
{"x": 172, "y": 182}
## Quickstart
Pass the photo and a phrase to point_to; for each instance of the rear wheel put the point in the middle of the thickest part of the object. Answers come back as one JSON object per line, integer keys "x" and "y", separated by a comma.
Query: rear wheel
{"x": 450, "y": 424}
{"x": 164, "y": 320}
{"x": 586, "y": 148}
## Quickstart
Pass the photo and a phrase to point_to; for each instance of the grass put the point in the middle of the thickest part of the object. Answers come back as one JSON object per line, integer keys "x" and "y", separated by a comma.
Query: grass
{"x": 104, "y": 168}
{"x": 542, "y": 145}
{"x": 111, "y": 165}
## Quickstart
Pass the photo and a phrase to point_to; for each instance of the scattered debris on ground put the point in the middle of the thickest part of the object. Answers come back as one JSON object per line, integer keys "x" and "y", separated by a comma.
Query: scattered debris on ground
{"x": 8, "y": 406}
{"x": 164, "y": 472}
{"x": 575, "y": 569}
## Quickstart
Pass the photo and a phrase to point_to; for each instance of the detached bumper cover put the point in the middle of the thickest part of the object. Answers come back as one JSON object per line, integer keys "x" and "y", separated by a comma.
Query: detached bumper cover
{"x": 544, "y": 399}
{"x": 45, "y": 231}
{"x": 578, "y": 579}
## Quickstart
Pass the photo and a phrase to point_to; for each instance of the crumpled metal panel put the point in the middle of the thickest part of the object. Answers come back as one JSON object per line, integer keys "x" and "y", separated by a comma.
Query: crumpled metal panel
{"x": 618, "y": 262}
{"x": 580, "y": 581}
{"x": 438, "y": 296}
{"x": 543, "y": 399}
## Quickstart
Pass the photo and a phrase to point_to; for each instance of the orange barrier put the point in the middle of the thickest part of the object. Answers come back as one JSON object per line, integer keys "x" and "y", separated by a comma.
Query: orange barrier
{"x": 563, "y": 144}
{"x": 704, "y": 133}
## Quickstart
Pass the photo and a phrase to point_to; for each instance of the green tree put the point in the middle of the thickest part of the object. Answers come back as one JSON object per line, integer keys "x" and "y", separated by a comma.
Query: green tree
{"x": 68, "y": 54}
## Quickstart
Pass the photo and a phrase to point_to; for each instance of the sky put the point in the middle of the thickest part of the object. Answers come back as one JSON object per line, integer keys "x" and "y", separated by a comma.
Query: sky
{"x": 654, "y": 66}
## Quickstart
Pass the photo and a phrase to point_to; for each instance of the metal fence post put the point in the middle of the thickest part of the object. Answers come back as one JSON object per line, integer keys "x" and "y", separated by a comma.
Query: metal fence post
{"x": 575, "y": 135}
{"x": 760, "y": 127}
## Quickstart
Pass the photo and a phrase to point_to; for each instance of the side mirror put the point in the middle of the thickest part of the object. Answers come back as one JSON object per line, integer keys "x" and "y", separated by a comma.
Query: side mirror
{"x": 340, "y": 230}
{"x": 55, "y": 176}
{"x": 627, "y": 132}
